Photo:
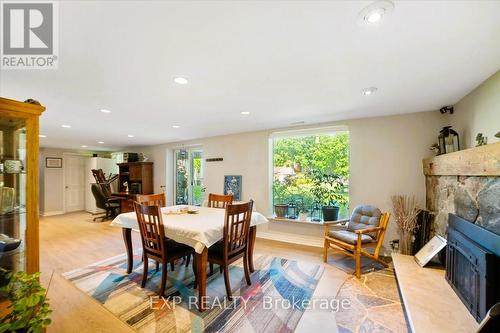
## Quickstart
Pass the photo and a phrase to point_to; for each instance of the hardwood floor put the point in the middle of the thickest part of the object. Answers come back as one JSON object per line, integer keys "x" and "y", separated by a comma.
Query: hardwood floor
{"x": 72, "y": 241}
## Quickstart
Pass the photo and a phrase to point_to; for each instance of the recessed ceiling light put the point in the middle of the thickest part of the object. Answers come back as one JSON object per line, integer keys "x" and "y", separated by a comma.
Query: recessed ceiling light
{"x": 368, "y": 91}
{"x": 105, "y": 111}
{"x": 42, "y": 136}
{"x": 180, "y": 80}
{"x": 245, "y": 113}
{"x": 175, "y": 126}
{"x": 375, "y": 13}
{"x": 83, "y": 146}
{"x": 130, "y": 136}
{"x": 100, "y": 142}
{"x": 66, "y": 126}
{"x": 298, "y": 122}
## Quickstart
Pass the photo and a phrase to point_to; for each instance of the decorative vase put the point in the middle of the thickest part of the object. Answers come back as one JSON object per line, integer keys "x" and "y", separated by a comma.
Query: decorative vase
{"x": 280, "y": 210}
{"x": 406, "y": 243}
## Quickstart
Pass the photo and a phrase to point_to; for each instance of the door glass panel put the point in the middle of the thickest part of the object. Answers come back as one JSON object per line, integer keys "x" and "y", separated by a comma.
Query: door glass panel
{"x": 12, "y": 193}
{"x": 189, "y": 189}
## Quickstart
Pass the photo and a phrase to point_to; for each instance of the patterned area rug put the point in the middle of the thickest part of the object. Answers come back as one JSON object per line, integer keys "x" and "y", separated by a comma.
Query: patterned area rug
{"x": 271, "y": 304}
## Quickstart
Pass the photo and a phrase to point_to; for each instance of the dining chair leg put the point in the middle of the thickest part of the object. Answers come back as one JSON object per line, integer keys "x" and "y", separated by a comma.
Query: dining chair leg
{"x": 220, "y": 269}
{"x": 163, "y": 278}
{"x": 227, "y": 282}
{"x": 157, "y": 266}
{"x": 188, "y": 260}
{"x": 247, "y": 269}
{"x": 211, "y": 268}
{"x": 144, "y": 271}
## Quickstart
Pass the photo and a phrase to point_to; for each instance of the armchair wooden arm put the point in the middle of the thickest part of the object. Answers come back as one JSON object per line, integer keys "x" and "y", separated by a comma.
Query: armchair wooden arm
{"x": 327, "y": 224}
{"x": 365, "y": 231}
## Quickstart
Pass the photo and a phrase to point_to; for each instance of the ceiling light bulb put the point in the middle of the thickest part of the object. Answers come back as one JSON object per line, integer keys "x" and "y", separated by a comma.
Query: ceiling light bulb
{"x": 368, "y": 91}
{"x": 245, "y": 113}
{"x": 66, "y": 126}
{"x": 175, "y": 126}
{"x": 375, "y": 13}
{"x": 374, "y": 16}
{"x": 180, "y": 80}
{"x": 100, "y": 142}
{"x": 83, "y": 146}
{"x": 42, "y": 136}
{"x": 105, "y": 111}
{"x": 130, "y": 136}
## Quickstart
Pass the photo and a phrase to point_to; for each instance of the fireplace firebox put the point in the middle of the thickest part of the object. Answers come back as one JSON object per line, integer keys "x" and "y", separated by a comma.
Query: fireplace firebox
{"x": 473, "y": 265}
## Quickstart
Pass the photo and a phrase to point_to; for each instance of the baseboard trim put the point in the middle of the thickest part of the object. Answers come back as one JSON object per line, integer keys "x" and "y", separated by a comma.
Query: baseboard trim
{"x": 52, "y": 213}
{"x": 291, "y": 238}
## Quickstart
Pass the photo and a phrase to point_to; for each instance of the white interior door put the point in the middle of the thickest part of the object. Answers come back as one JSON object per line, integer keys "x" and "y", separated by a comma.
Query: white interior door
{"x": 74, "y": 183}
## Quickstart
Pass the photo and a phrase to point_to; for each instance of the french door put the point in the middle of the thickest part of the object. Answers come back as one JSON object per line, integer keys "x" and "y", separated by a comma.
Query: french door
{"x": 188, "y": 187}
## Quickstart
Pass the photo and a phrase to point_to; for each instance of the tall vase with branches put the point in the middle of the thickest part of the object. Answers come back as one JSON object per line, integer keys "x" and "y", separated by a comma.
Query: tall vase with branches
{"x": 406, "y": 210}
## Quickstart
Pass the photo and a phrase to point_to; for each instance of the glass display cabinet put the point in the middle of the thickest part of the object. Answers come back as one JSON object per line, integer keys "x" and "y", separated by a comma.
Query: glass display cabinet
{"x": 19, "y": 185}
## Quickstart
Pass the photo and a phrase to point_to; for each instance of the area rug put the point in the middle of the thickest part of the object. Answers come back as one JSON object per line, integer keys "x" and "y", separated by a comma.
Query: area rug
{"x": 342, "y": 261}
{"x": 273, "y": 303}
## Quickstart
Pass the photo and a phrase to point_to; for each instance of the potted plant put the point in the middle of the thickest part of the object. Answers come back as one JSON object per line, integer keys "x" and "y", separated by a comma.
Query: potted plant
{"x": 328, "y": 191}
{"x": 28, "y": 307}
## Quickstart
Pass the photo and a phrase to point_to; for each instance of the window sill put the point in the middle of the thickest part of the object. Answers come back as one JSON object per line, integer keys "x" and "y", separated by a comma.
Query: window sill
{"x": 286, "y": 220}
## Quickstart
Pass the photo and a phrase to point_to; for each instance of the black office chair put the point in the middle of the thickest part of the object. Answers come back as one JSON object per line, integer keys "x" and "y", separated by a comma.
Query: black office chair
{"x": 111, "y": 205}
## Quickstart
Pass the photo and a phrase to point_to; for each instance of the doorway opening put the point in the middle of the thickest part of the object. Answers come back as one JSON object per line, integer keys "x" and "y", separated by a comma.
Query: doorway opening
{"x": 188, "y": 177}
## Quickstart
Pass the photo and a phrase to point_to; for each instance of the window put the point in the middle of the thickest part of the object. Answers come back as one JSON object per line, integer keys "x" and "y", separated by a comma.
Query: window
{"x": 310, "y": 171}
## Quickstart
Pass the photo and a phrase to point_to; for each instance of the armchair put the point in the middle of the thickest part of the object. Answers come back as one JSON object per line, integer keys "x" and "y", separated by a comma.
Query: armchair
{"x": 366, "y": 228}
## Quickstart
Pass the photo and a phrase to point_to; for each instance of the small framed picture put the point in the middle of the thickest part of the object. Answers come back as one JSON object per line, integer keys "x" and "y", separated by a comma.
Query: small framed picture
{"x": 53, "y": 162}
{"x": 232, "y": 185}
{"x": 436, "y": 244}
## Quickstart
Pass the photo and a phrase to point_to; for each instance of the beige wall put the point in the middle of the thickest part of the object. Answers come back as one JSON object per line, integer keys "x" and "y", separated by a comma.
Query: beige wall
{"x": 51, "y": 180}
{"x": 385, "y": 158}
{"x": 479, "y": 112}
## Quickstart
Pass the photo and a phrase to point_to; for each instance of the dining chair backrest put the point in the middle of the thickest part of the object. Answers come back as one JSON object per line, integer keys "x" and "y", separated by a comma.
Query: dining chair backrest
{"x": 237, "y": 227}
{"x": 219, "y": 200}
{"x": 151, "y": 199}
{"x": 151, "y": 229}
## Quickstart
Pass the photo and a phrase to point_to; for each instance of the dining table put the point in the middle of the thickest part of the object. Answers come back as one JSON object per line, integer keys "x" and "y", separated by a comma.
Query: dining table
{"x": 198, "y": 227}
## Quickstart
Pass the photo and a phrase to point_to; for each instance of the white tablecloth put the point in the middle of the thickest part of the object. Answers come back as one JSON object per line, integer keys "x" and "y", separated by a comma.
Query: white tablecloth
{"x": 196, "y": 230}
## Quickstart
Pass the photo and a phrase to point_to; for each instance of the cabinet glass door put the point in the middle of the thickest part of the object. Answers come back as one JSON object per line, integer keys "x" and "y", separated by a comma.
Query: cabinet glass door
{"x": 12, "y": 193}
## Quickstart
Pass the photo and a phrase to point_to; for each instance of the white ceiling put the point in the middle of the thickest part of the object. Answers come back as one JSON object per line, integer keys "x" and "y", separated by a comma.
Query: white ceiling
{"x": 283, "y": 61}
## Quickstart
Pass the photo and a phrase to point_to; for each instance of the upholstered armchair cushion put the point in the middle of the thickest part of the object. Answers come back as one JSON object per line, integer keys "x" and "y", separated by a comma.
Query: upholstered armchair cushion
{"x": 364, "y": 217}
{"x": 350, "y": 237}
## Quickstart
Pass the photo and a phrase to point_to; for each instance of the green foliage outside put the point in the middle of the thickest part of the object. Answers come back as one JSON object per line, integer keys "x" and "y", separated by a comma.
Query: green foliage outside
{"x": 320, "y": 166}
{"x": 29, "y": 309}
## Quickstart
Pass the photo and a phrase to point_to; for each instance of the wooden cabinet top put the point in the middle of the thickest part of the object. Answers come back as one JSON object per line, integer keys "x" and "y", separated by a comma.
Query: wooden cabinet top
{"x": 134, "y": 163}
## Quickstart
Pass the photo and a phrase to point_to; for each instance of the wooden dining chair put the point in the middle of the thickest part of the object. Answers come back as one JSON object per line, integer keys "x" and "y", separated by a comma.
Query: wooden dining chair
{"x": 151, "y": 199}
{"x": 154, "y": 244}
{"x": 219, "y": 200}
{"x": 157, "y": 200}
{"x": 234, "y": 244}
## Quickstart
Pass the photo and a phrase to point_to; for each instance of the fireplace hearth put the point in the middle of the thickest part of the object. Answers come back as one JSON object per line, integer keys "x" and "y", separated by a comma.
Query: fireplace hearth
{"x": 473, "y": 265}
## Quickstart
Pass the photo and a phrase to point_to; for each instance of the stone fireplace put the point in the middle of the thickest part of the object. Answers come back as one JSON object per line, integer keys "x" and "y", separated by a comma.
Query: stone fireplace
{"x": 467, "y": 184}
{"x": 463, "y": 194}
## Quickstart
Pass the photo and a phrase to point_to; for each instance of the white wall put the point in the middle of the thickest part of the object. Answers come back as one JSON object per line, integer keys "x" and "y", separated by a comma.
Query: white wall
{"x": 479, "y": 112}
{"x": 51, "y": 180}
{"x": 385, "y": 158}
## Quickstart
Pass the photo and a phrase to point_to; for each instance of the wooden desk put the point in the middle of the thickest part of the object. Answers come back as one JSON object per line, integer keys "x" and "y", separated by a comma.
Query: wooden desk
{"x": 126, "y": 205}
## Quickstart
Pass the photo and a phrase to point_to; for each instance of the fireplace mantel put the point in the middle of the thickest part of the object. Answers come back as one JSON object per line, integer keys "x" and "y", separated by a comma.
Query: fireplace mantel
{"x": 477, "y": 161}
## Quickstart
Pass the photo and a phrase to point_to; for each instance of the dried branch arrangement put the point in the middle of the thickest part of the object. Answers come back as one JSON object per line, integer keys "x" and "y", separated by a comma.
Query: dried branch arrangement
{"x": 405, "y": 212}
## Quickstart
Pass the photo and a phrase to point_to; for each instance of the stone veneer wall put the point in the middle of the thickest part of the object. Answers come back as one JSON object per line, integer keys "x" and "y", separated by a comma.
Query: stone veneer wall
{"x": 474, "y": 198}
